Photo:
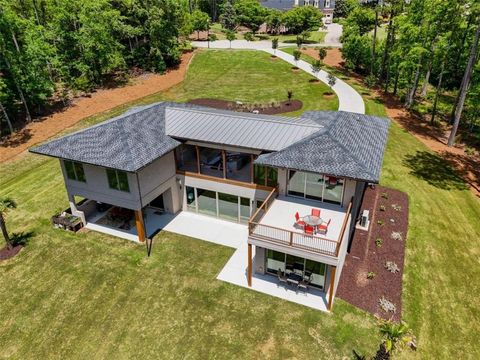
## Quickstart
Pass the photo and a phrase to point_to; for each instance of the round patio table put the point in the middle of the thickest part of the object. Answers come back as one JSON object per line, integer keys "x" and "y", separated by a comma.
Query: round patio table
{"x": 312, "y": 220}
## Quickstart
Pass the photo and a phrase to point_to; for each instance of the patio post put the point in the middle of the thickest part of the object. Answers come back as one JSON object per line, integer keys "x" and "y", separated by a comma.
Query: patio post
{"x": 331, "y": 289}
{"x": 139, "y": 225}
{"x": 249, "y": 271}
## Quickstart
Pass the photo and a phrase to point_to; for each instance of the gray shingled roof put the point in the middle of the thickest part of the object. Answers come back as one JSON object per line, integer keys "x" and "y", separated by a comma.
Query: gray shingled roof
{"x": 261, "y": 132}
{"x": 127, "y": 142}
{"x": 335, "y": 143}
{"x": 348, "y": 145}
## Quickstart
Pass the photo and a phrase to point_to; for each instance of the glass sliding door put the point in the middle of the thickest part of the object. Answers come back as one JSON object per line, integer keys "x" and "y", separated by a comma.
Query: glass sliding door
{"x": 317, "y": 271}
{"x": 333, "y": 189}
{"x": 244, "y": 210}
{"x": 296, "y": 183}
{"x": 228, "y": 206}
{"x": 275, "y": 261}
{"x": 314, "y": 186}
{"x": 191, "y": 199}
{"x": 207, "y": 202}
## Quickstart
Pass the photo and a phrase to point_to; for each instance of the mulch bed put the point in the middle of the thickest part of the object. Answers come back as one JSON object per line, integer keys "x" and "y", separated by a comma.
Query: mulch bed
{"x": 7, "y": 253}
{"x": 365, "y": 256}
{"x": 269, "y": 109}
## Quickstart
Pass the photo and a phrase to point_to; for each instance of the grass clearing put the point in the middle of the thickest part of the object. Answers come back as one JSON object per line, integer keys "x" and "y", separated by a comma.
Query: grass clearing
{"x": 71, "y": 296}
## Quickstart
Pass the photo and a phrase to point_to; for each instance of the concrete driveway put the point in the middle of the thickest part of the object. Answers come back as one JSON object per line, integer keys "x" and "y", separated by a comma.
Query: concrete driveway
{"x": 333, "y": 35}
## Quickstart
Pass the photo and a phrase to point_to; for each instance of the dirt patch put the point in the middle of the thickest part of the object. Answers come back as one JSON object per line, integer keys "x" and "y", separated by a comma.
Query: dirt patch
{"x": 7, "y": 253}
{"x": 81, "y": 108}
{"x": 333, "y": 58}
{"x": 268, "y": 109}
{"x": 367, "y": 256}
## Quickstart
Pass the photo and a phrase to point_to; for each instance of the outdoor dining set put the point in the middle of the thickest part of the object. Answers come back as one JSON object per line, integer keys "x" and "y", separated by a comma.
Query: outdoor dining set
{"x": 295, "y": 275}
{"x": 312, "y": 224}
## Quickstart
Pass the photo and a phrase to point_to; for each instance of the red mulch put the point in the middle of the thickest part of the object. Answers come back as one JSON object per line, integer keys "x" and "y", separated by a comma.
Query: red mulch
{"x": 365, "y": 256}
{"x": 269, "y": 109}
{"x": 7, "y": 253}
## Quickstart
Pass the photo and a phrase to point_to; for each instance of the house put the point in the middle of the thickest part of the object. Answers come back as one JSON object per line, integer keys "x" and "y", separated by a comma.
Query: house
{"x": 124, "y": 175}
{"x": 326, "y": 6}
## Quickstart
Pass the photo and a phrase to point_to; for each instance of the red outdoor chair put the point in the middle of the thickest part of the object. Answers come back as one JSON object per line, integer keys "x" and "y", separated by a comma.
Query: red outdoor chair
{"x": 324, "y": 227}
{"x": 298, "y": 221}
{"x": 316, "y": 212}
{"x": 308, "y": 229}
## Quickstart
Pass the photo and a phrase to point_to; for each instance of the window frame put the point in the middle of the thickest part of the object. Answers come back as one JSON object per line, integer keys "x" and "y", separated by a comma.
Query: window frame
{"x": 75, "y": 167}
{"x": 117, "y": 184}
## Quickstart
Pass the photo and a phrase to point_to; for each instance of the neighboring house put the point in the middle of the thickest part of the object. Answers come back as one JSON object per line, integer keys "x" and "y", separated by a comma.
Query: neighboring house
{"x": 252, "y": 169}
{"x": 326, "y": 6}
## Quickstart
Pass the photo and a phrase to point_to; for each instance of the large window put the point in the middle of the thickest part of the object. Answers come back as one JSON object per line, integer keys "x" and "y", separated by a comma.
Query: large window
{"x": 211, "y": 162}
{"x": 217, "y": 204}
{"x": 266, "y": 176}
{"x": 315, "y": 186}
{"x": 238, "y": 166}
{"x": 118, "y": 180}
{"x": 287, "y": 263}
{"x": 186, "y": 156}
{"x": 74, "y": 171}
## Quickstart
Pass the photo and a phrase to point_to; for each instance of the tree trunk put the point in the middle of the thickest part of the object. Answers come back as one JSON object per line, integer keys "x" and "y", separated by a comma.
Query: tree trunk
{"x": 9, "y": 123}
{"x": 413, "y": 89}
{"x": 465, "y": 83}
{"x": 437, "y": 93}
{"x": 374, "y": 39}
{"x": 423, "y": 93}
{"x": 20, "y": 92}
{"x": 4, "y": 231}
{"x": 387, "y": 45}
{"x": 395, "y": 86}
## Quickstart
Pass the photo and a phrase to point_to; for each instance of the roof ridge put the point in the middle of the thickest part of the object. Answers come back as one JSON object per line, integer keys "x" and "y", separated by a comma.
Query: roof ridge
{"x": 263, "y": 117}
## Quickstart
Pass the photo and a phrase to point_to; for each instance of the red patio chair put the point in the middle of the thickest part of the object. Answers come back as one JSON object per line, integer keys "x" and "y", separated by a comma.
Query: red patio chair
{"x": 308, "y": 230}
{"x": 298, "y": 221}
{"x": 316, "y": 212}
{"x": 324, "y": 227}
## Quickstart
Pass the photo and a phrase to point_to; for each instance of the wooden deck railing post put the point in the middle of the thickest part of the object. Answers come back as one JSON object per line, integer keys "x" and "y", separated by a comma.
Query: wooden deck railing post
{"x": 291, "y": 238}
{"x": 139, "y": 225}
{"x": 331, "y": 289}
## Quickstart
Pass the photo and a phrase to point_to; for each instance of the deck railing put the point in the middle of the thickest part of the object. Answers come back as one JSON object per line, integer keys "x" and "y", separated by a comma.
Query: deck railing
{"x": 293, "y": 239}
{"x": 262, "y": 210}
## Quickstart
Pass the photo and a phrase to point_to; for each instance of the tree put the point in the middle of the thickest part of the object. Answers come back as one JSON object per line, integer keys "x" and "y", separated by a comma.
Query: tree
{"x": 362, "y": 19}
{"x": 302, "y": 18}
{"x": 289, "y": 96}
{"x": 249, "y": 36}
{"x": 464, "y": 86}
{"x": 332, "y": 80}
{"x": 275, "y": 45}
{"x": 344, "y": 7}
{"x": 322, "y": 53}
{"x": 230, "y": 35}
{"x": 200, "y": 22}
{"x": 250, "y": 14}
{"x": 316, "y": 67}
{"x": 274, "y": 21}
{"x": 297, "y": 54}
{"x": 228, "y": 19}
{"x": 6, "y": 204}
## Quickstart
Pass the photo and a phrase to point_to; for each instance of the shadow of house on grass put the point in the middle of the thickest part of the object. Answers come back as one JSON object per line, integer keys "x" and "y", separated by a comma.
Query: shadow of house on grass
{"x": 434, "y": 170}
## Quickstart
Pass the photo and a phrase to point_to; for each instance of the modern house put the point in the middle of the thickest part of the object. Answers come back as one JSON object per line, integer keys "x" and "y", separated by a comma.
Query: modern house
{"x": 325, "y": 6}
{"x": 123, "y": 175}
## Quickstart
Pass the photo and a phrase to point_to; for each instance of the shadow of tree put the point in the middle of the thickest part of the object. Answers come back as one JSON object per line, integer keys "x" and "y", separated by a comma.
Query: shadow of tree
{"x": 21, "y": 238}
{"x": 434, "y": 170}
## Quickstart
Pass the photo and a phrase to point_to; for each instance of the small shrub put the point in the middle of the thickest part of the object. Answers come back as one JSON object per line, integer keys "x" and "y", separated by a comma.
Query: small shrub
{"x": 392, "y": 267}
{"x": 332, "y": 80}
{"x": 387, "y": 306}
{"x": 289, "y": 95}
{"x": 396, "y": 235}
{"x": 380, "y": 222}
{"x": 396, "y": 207}
{"x": 469, "y": 151}
{"x": 370, "y": 81}
{"x": 249, "y": 36}
{"x": 378, "y": 242}
{"x": 382, "y": 208}
{"x": 384, "y": 195}
{"x": 212, "y": 37}
{"x": 370, "y": 275}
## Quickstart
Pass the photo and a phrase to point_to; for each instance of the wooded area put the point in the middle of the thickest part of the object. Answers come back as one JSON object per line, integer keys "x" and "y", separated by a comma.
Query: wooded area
{"x": 429, "y": 44}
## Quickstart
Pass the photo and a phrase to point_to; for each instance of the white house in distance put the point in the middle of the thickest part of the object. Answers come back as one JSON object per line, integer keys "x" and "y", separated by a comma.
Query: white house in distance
{"x": 325, "y": 6}
{"x": 295, "y": 183}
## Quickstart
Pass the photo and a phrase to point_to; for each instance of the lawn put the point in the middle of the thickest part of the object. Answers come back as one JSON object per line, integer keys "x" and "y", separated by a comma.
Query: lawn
{"x": 91, "y": 295}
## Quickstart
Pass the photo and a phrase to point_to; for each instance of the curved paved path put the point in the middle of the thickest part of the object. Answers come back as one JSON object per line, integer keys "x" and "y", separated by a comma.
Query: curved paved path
{"x": 348, "y": 98}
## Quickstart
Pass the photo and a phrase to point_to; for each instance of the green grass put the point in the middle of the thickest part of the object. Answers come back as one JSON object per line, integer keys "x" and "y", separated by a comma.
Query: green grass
{"x": 90, "y": 295}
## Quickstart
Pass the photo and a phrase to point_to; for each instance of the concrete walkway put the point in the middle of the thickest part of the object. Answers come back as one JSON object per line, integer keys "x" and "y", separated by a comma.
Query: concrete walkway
{"x": 333, "y": 35}
{"x": 348, "y": 98}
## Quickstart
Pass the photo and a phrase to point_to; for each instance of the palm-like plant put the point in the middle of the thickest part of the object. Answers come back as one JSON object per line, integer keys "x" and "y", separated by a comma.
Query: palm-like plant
{"x": 396, "y": 335}
{"x": 6, "y": 204}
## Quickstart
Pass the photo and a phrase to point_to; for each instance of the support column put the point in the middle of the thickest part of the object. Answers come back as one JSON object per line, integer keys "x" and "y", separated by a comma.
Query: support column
{"x": 197, "y": 150}
{"x": 140, "y": 225}
{"x": 74, "y": 210}
{"x": 331, "y": 289}
{"x": 249, "y": 271}
{"x": 224, "y": 161}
